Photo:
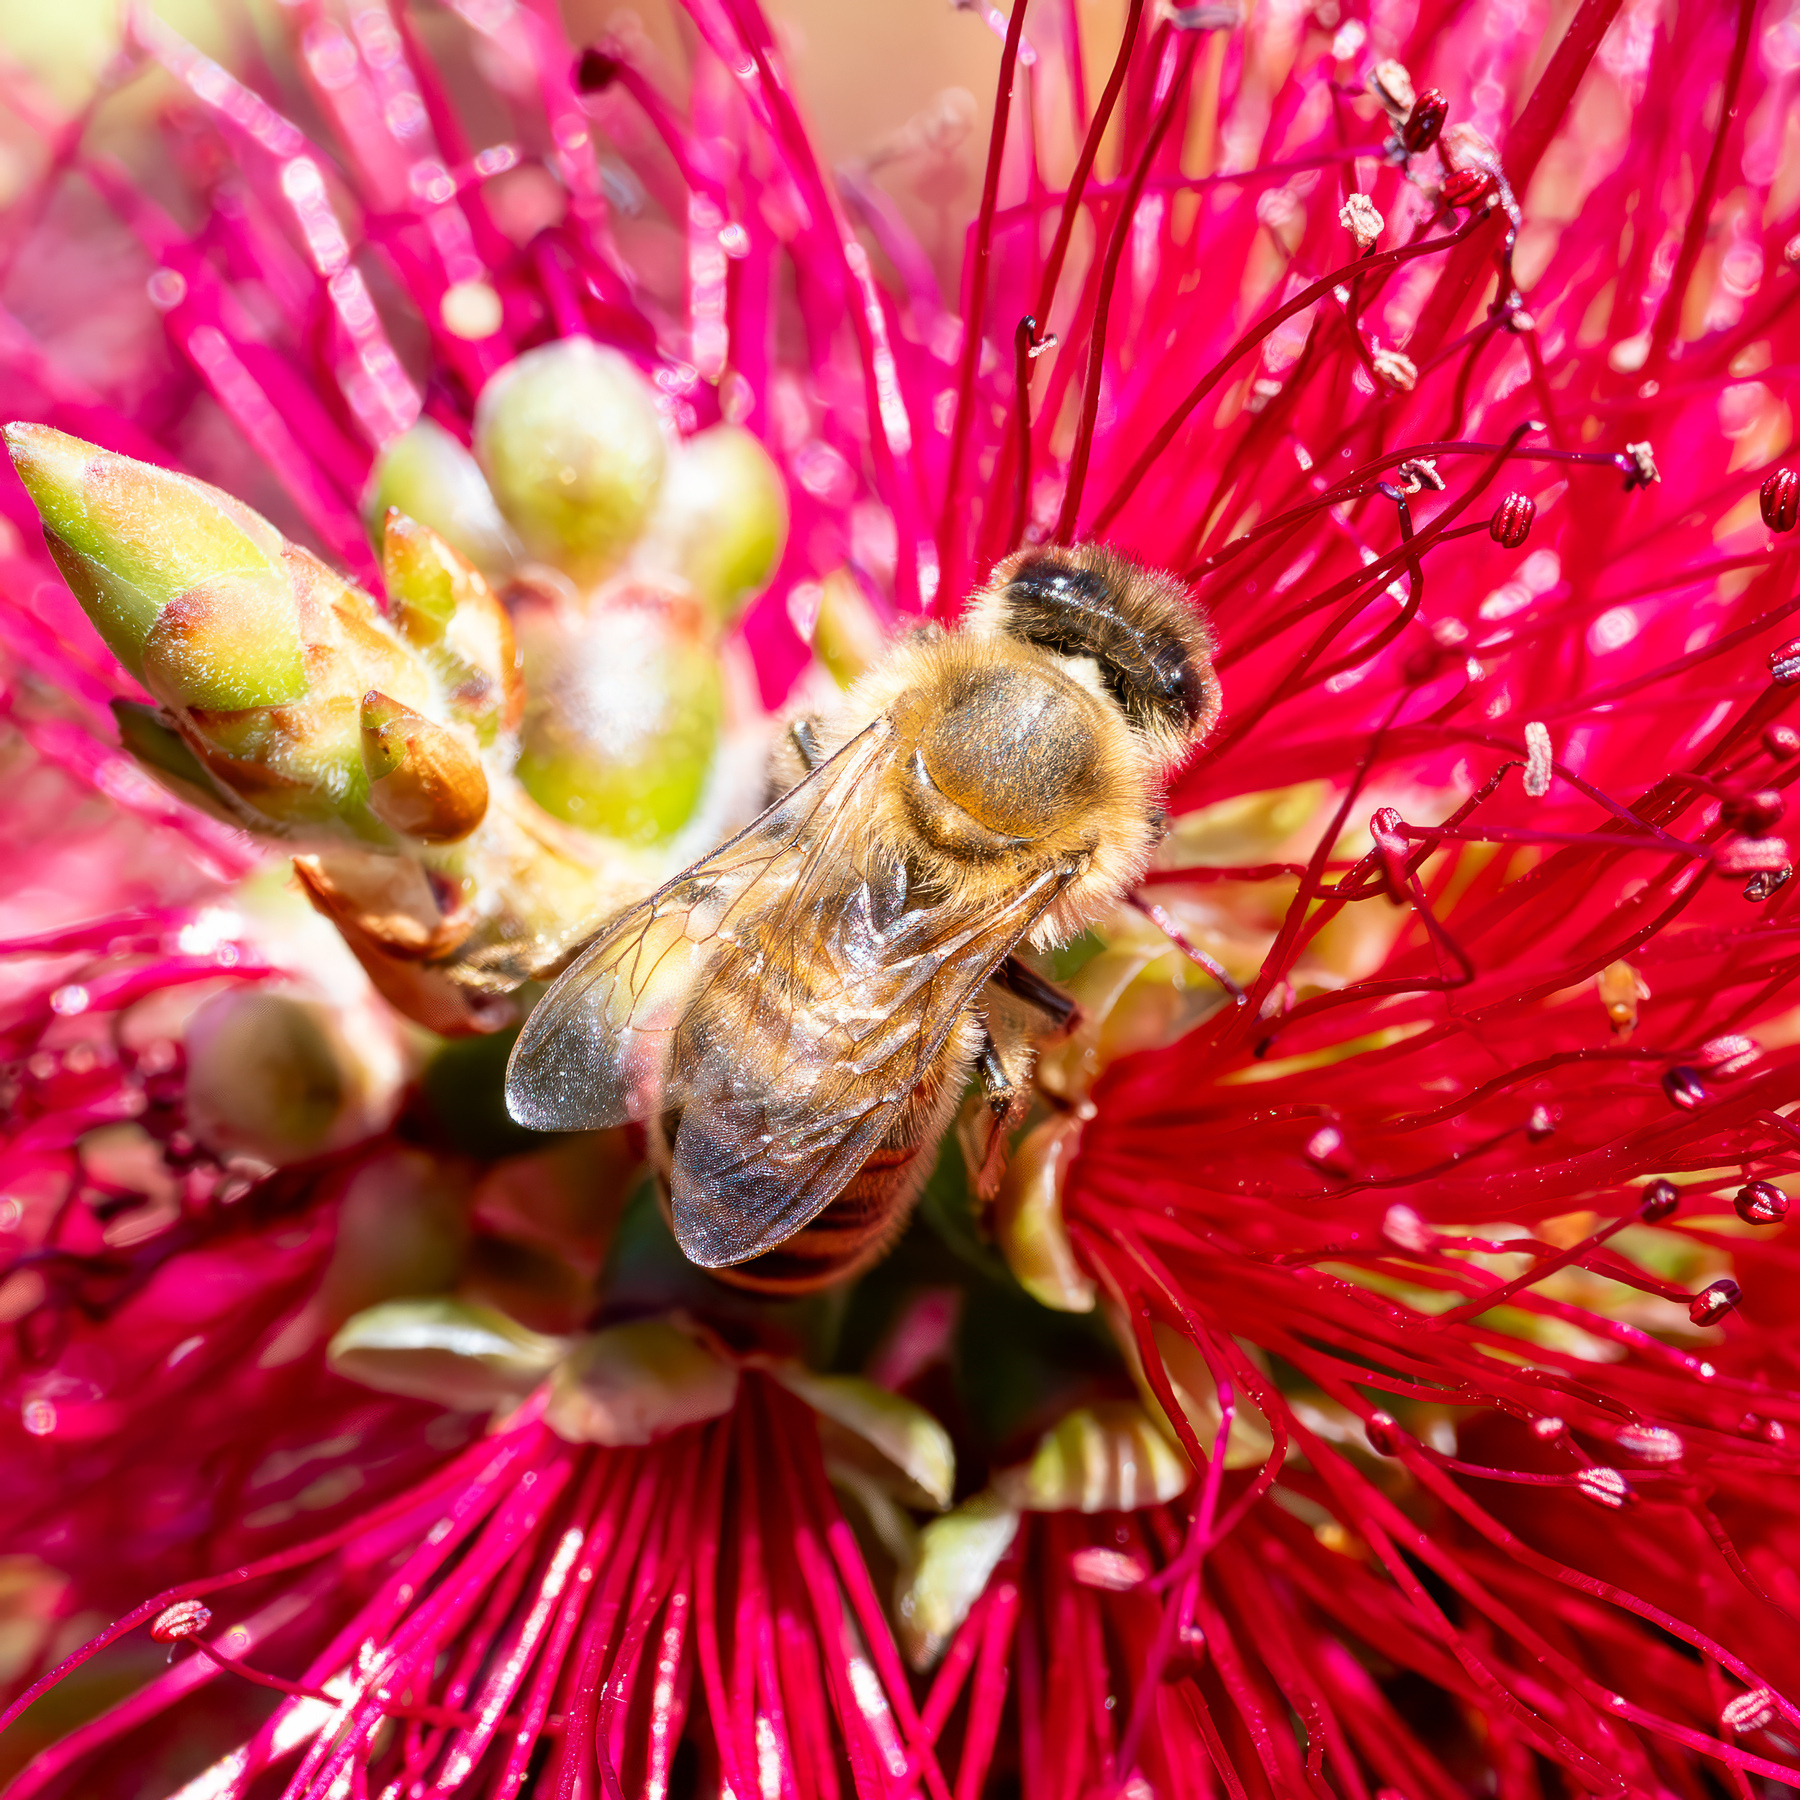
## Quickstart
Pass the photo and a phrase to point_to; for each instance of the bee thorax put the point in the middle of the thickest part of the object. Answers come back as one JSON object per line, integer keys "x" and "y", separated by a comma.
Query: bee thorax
{"x": 1012, "y": 751}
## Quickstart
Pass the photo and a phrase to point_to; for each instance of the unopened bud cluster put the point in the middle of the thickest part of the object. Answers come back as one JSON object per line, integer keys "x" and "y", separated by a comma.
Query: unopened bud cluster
{"x": 622, "y": 555}
{"x": 428, "y": 771}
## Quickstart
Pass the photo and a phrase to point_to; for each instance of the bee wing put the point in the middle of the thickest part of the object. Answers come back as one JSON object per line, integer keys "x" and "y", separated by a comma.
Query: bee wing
{"x": 602, "y": 1046}
{"x": 798, "y": 1059}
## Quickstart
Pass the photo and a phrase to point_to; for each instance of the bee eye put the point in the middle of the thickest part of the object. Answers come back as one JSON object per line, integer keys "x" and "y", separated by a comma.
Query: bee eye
{"x": 1191, "y": 688}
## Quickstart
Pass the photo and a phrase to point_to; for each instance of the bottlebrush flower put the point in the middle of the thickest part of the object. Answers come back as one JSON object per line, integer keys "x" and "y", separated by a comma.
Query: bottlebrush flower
{"x": 1374, "y": 1373}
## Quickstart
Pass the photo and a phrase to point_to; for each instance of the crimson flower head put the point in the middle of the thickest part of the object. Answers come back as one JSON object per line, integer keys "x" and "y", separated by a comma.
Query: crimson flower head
{"x": 1363, "y": 1366}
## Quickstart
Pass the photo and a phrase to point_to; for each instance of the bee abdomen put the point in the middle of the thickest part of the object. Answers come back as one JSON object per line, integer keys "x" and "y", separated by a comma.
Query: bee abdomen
{"x": 848, "y": 1235}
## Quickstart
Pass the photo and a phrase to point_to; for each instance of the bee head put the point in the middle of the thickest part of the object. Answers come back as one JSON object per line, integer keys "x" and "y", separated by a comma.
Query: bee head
{"x": 1137, "y": 626}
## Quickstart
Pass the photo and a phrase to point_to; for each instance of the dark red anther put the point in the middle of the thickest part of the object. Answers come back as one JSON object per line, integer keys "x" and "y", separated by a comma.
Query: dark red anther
{"x": 595, "y": 70}
{"x": 1383, "y": 1433}
{"x": 1784, "y": 664}
{"x": 1511, "y": 524}
{"x": 1780, "y": 498}
{"x": 1781, "y": 742}
{"x": 1712, "y": 1303}
{"x": 1684, "y": 1087}
{"x": 182, "y": 1620}
{"x": 1768, "y": 881}
{"x": 1388, "y": 830}
{"x": 1424, "y": 122}
{"x": 1661, "y": 1198}
{"x": 1760, "y": 1203}
{"x": 1467, "y": 187}
{"x": 1754, "y": 813}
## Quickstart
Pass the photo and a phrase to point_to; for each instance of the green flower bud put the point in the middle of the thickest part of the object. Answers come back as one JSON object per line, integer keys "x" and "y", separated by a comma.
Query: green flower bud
{"x": 846, "y": 635}
{"x": 957, "y": 1554}
{"x": 1196, "y": 1393}
{"x": 430, "y": 477}
{"x": 569, "y": 437}
{"x": 624, "y": 712}
{"x": 184, "y": 583}
{"x": 423, "y": 779}
{"x": 295, "y": 707}
{"x": 442, "y": 607}
{"x": 453, "y": 1352}
{"x": 721, "y": 520}
{"x": 1138, "y": 993}
{"x": 904, "y": 1434}
{"x": 275, "y": 1077}
{"x": 402, "y": 1229}
{"x": 633, "y": 1384}
{"x": 1108, "y": 1457}
{"x": 1028, "y": 1218}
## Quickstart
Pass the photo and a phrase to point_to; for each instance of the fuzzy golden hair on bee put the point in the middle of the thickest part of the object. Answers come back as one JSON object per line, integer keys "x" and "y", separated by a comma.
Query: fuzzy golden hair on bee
{"x": 1136, "y": 629}
{"x": 1015, "y": 767}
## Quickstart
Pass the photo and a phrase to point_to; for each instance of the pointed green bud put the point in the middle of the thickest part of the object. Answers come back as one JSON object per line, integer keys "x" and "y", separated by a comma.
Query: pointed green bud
{"x": 904, "y": 1434}
{"x": 1196, "y": 1393}
{"x": 277, "y": 1078}
{"x": 430, "y": 477}
{"x": 957, "y": 1555}
{"x": 442, "y": 607}
{"x": 421, "y": 573}
{"x": 1028, "y": 1218}
{"x": 402, "y": 1228}
{"x": 229, "y": 643}
{"x": 1108, "y": 1457}
{"x": 633, "y": 1384}
{"x": 423, "y": 779}
{"x": 186, "y": 585}
{"x": 846, "y": 636}
{"x": 569, "y": 437}
{"x": 456, "y": 1353}
{"x": 624, "y": 712}
{"x": 721, "y": 520}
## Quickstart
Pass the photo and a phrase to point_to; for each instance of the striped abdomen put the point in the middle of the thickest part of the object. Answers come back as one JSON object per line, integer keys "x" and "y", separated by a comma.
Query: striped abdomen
{"x": 850, "y": 1233}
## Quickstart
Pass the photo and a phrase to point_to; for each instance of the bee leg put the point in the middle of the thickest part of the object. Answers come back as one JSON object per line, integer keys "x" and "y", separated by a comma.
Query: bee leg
{"x": 1007, "y": 1102}
{"x": 794, "y": 755}
{"x": 1025, "y": 983}
{"x": 803, "y": 735}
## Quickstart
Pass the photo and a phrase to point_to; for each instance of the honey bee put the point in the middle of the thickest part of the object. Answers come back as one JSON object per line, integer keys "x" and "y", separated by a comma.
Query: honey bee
{"x": 795, "y": 1017}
